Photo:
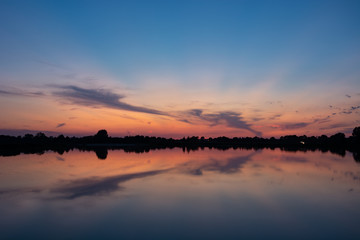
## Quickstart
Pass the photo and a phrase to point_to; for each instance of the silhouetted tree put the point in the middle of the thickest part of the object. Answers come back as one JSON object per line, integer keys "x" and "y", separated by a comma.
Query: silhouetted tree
{"x": 61, "y": 137}
{"x": 338, "y": 137}
{"x": 39, "y": 143}
{"x": 28, "y": 136}
{"x": 40, "y": 135}
{"x": 101, "y": 136}
{"x": 356, "y": 132}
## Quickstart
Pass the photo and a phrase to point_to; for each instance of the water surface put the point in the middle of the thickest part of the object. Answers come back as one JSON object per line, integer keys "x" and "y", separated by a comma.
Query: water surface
{"x": 171, "y": 194}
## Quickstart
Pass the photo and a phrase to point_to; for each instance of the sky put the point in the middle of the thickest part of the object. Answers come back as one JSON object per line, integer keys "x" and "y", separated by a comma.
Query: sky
{"x": 180, "y": 68}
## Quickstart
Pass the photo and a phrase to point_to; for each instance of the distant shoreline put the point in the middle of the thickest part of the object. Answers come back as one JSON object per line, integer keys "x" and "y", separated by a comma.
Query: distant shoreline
{"x": 101, "y": 142}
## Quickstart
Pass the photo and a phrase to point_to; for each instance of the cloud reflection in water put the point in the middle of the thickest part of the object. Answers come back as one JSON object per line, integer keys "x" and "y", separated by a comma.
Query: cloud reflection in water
{"x": 96, "y": 186}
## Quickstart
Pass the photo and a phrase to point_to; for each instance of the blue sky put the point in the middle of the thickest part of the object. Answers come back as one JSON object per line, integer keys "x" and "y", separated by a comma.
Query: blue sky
{"x": 218, "y": 48}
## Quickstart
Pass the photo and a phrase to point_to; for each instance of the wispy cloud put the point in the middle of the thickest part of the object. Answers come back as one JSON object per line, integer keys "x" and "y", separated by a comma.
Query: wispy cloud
{"x": 99, "y": 97}
{"x": 292, "y": 126}
{"x": 336, "y": 125}
{"x": 256, "y": 119}
{"x": 350, "y": 110}
{"x": 18, "y": 92}
{"x": 19, "y": 191}
{"x": 60, "y": 125}
{"x": 275, "y": 117}
{"x": 229, "y": 118}
{"x": 184, "y": 120}
{"x": 322, "y": 120}
{"x": 299, "y": 125}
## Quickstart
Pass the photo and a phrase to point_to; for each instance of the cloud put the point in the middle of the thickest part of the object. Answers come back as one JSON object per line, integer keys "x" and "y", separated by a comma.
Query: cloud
{"x": 292, "y": 126}
{"x": 18, "y": 92}
{"x": 60, "y": 125}
{"x": 276, "y": 168}
{"x": 275, "y": 116}
{"x": 95, "y": 186}
{"x": 257, "y": 119}
{"x": 350, "y": 110}
{"x": 99, "y": 97}
{"x": 6, "y": 92}
{"x": 184, "y": 120}
{"x": 231, "y": 119}
{"x": 336, "y": 125}
{"x": 19, "y": 191}
{"x": 322, "y": 120}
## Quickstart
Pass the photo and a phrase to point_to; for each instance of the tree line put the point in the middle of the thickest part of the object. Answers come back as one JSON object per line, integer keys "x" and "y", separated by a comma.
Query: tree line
{"x": 337, "y": 143}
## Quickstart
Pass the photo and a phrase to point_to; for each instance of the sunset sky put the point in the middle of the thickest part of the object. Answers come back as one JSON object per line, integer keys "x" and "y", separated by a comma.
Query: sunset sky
{"x": 180, "y": 68}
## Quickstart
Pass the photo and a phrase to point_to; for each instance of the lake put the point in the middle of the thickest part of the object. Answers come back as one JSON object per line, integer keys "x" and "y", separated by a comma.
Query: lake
{"x": 172, "y": 194}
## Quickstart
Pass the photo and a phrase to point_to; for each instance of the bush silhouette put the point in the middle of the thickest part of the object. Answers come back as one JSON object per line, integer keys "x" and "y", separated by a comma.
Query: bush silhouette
{"x": 101, "y": 135}
{"x": 356, "y": 132}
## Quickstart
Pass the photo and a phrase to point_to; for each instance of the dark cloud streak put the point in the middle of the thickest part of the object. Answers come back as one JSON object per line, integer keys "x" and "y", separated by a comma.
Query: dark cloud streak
{"x": 17, "y": 92}
{"x": 231, "y": 119}
{"x": 336, "y": 125}
{"x": 99, "y": 97}
{"x": 60, "y": 125}
{"x": 292, "y": 126}
{"x": 350, "y": 110}
{"x": 275, "y": 116}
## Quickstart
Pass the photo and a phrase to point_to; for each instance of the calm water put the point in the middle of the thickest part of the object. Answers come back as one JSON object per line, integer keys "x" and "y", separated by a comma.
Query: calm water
{"x": 169, "y": 194}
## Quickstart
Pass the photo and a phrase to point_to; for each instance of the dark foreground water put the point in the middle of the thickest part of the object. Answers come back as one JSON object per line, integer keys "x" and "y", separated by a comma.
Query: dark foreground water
{"x": 169, "y": 194}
